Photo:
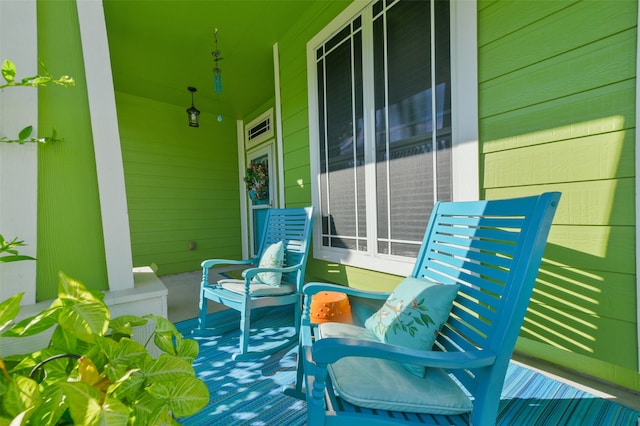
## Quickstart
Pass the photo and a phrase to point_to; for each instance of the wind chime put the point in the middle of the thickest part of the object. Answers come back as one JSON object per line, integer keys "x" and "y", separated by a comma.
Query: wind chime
{"x": 217, "y": 72}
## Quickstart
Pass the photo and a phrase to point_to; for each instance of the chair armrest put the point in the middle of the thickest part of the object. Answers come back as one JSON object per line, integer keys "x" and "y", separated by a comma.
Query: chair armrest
{"x": 206, "y": 264}
{"x": 315, "y": 287}
{"x": 329, "y": 350}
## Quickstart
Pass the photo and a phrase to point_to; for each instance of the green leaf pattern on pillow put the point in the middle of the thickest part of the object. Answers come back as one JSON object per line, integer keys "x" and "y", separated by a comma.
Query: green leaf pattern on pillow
{"x": 412, "y": 315}
{"x": 401, "y": 319}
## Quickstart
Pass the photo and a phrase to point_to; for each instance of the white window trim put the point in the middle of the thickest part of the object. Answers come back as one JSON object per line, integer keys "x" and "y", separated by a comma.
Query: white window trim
{"x": 250, "y": 144}
{"x": 464, "y": 103}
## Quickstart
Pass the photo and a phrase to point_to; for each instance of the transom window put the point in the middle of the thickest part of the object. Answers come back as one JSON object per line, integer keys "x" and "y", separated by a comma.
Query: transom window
{"x": 381, "y": 131}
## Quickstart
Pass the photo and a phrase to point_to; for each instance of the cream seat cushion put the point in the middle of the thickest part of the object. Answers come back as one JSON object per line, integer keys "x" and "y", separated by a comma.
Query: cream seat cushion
{"x": 257, "y": 289}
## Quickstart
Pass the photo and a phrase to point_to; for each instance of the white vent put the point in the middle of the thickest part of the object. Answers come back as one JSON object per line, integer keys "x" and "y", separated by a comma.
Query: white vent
{"x": 260, "y": 129}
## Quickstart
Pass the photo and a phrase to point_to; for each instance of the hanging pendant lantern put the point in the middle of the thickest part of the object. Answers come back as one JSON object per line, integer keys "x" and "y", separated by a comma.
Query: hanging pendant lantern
{"x": 193, "y": 112}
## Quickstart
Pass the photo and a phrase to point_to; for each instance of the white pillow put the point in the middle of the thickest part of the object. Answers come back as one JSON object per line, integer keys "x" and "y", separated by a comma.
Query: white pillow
{"x": 273, "y": 257}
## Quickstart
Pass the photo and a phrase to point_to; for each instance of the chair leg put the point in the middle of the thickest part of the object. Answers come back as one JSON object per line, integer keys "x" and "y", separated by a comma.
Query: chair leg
{"x": 245, "y": 329}
{"x": 296, "y": 390}
{"x": 202, "y": 318}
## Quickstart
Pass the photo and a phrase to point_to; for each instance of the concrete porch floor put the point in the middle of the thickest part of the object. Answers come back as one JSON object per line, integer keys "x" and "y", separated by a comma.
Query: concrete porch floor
{"x": 183, "y": 297}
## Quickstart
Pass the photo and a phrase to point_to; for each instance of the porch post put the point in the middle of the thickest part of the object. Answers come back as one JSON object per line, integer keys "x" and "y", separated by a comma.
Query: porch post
{"x": 106, "y": 141}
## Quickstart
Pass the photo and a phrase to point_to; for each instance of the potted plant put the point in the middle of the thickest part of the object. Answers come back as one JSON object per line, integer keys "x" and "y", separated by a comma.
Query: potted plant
{"x": 92, "y": 372}
{"x": 257, "y": 181}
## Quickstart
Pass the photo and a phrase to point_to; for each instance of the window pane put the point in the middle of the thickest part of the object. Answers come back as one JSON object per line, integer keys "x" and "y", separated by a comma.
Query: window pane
{"x": 443, "y": 79}
{"x": 342, "y": 142}
{"x": 409, "y": 172}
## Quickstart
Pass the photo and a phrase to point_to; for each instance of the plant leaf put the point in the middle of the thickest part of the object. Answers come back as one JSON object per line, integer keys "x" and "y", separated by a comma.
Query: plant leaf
{"x": 150, "y": 411}
{"x": 188, "y": 349}
{"x": 128, "y": 354}
{"x": 15, "y": 258}
{"x": 35, "y": 324}
{"x": 64, "y": 341}
{"x": 166, "y": 368}
{"x": 164, "y": 341}
{"x": 22, "y": 394}
{"x": 74, "y": 291}
{"x": 25, "y": 133}
{"x": 129, "y": 387}
{"x": 163, "y": 325}
{"x": 124, "y": 324}
{"x": 85, "y": 320}
{"x": 9, "y": 309}
{"x": 50, "y": 411}
{"x": 187, "y": 396}
{"x": 85, "y": 407}
{"x": 8, "y": 71}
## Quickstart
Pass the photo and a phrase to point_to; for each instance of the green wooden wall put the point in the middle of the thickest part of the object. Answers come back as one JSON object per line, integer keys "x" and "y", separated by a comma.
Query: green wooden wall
{"x": 182, "y": 185}
{"x": 69, "y": 219}
{"x": 557, "y": 112}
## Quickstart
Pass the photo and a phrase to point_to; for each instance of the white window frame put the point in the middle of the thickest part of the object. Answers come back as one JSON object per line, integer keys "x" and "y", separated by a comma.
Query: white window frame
{"x": 250, "y": 144}
{"x": 464, "y": 104}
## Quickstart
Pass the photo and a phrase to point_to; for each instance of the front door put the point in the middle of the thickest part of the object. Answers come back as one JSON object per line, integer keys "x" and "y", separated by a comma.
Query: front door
{"x": 260, "y": 162}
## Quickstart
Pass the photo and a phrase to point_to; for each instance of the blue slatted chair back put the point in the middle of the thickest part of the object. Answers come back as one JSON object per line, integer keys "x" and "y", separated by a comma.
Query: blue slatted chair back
{"x": 293, "y": 228}
{"x": 492, "y": 250}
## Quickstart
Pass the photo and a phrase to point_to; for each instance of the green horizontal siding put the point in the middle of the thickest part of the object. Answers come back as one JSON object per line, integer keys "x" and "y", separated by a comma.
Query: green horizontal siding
{"x": 182, "y": 185}
{"x": 596, "y": 111}
{"x": 557, "y": 112}
{"x": 604, "y": 156}
{"x": 584, "y": 204}
{"x": 557, "y": 27}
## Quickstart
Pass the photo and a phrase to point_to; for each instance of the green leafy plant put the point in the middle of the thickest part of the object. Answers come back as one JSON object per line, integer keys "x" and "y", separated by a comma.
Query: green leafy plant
{"x": 93, "y": 372}
{"x": 9, "y": 252}
{"x": 41, "y": 80}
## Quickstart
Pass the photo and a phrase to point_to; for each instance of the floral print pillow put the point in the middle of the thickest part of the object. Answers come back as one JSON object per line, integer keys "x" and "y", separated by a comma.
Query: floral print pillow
{"x": 273, "y": 257}
{"x": 412, "y": 315}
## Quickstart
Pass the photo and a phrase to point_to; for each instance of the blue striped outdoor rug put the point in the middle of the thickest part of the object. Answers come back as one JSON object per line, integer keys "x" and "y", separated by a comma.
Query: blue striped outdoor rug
{"x": 250, "y": 392}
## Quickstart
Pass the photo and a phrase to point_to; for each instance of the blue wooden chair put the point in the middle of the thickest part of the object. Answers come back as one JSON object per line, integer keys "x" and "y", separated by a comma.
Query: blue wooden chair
{"x": 490, "y": 251}
{"x": 265, "y": 283}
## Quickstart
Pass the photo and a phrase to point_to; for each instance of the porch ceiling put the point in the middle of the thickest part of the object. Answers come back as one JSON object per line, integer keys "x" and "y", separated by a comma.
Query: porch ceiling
{"x": 159, "y": 47}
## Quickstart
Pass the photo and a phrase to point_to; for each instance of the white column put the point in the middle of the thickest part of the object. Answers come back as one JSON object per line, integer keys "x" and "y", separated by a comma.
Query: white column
{"x": 638, "y": 194}
{"x": 278, "y": 120}
{"x": 19, "y": 163}
{"x": 464, "y": 100}
{"x": 106, "y": 141}
{"x": 244, "y": 232}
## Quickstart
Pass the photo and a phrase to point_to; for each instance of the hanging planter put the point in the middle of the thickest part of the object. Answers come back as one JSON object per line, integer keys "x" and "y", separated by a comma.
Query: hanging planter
{"x": 257, "y": 181}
